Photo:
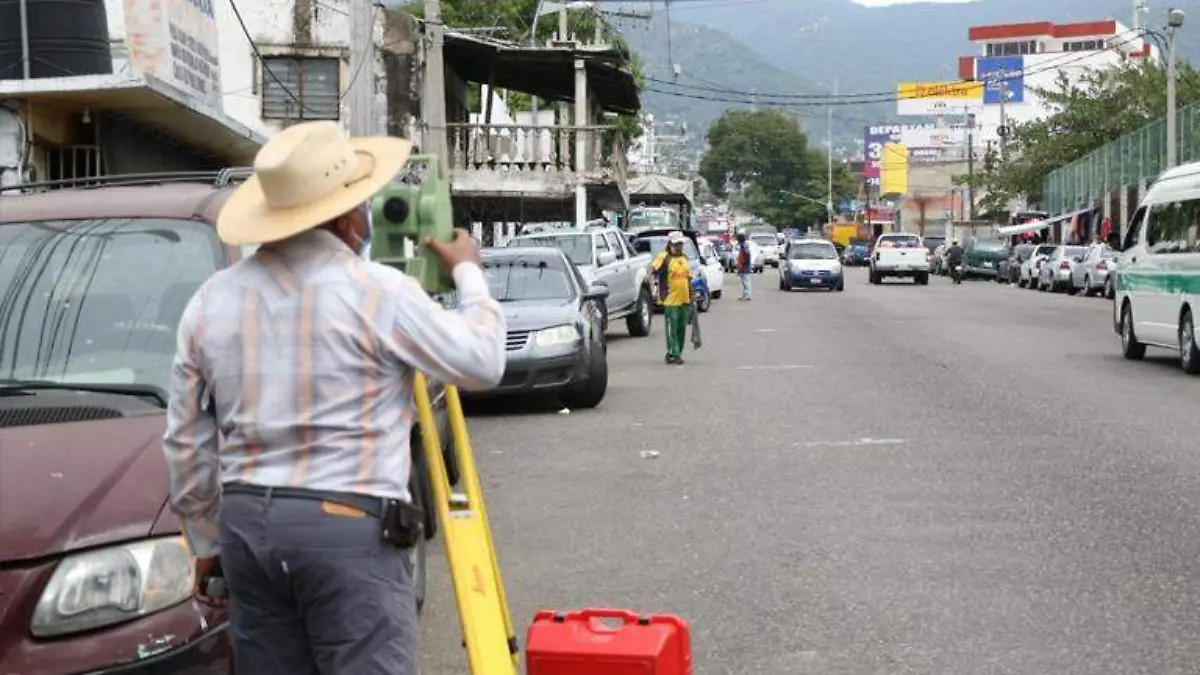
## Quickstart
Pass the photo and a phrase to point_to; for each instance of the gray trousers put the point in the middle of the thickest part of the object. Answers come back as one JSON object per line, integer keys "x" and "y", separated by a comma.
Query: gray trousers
{"x": 314, "y": 592}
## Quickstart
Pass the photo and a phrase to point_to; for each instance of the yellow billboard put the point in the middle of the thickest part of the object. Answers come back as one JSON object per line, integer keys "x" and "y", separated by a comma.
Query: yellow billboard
{"x": 893, "y": 178}
{"x": 938, "y": 98}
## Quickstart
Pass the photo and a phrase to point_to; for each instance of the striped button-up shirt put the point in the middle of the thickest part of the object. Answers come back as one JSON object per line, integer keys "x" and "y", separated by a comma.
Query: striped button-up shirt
{"x": 301, "y": 359}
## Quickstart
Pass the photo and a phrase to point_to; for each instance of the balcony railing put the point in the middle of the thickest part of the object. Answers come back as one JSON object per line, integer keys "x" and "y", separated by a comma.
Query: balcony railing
{"x": 537, "y": 149}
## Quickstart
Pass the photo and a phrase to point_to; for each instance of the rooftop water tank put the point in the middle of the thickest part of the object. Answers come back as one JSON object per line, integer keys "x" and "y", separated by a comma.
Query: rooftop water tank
{"x": 66, "y": 37}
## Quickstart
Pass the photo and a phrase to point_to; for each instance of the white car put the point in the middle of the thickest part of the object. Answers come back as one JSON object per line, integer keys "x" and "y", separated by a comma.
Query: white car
{"x": 900, "y": 254}
{"x": 770, "y": 248}
{"x": 811, "y": 263}
{"x": 1032, "y": 267}
{"x": 713, "y": 272}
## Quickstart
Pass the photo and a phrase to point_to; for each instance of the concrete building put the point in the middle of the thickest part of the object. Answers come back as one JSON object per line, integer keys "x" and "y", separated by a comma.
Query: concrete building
{"x": 562, "y": 163}
{"x": 1015, "y": 59}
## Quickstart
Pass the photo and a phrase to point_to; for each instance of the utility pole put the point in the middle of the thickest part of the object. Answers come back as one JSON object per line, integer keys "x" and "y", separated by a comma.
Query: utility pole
{"x": 1174, "y": 22}
{"x": 26, "y": 66}
{"x": 433, "y": 93}
{"x": 971, "y": 163}
{"x": 361, "y": 95}
{"x": 1000, "y": 84}
{"x": 829, "y": 156}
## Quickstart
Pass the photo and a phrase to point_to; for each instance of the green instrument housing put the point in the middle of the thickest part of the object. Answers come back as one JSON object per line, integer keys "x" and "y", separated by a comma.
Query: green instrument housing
{"x": 412, "y": 209}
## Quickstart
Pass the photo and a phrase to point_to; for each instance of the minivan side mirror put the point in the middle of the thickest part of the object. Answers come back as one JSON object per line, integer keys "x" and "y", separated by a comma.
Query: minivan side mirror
{"x": 606, "y": 258}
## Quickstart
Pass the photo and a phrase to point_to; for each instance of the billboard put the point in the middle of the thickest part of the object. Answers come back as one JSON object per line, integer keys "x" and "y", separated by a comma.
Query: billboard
{"x": 1003, "y": 78}
{"x": 938, "y": 98}
{"x": 894, "y": 172}
{"x": 874, "y": 138}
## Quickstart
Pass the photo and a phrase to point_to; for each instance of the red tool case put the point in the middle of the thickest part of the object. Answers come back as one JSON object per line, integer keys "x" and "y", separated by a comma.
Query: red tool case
{"x": 586, "y": 642}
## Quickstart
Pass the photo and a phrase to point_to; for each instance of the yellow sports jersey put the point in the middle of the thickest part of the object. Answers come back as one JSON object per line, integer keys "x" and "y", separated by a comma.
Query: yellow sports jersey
{"x": 679, "y": 279}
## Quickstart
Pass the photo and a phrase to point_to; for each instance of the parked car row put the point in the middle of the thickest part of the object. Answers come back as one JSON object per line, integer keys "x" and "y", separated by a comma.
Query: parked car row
{"x": 1055, "y": 268}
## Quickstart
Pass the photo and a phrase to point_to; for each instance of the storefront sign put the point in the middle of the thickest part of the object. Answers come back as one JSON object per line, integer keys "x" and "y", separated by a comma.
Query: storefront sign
{"x": 176, "y": 41}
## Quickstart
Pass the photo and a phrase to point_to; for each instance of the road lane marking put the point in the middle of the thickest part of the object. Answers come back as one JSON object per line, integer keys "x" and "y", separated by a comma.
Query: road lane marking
{"x": 848, "y": 444}
{"x": 775, "y": 367}
{"x": 765, "y": 330}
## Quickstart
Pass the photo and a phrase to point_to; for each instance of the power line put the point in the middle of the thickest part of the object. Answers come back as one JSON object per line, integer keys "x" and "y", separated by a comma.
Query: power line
{"x": 821, "y": 100}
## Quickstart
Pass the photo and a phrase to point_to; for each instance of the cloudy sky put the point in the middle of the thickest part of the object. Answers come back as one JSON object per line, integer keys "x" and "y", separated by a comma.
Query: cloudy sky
{"x": 880, "y": 3}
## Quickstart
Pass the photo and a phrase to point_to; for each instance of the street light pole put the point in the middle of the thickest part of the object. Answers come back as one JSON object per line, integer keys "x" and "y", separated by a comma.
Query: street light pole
{"x": 1174, "y": 22}
{"x": 829, "y": 157}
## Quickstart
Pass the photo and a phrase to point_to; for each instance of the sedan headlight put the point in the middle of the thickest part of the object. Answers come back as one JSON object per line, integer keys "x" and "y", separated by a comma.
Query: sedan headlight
{"x": 112, "y": 585}
{"x": 558, "y": 335}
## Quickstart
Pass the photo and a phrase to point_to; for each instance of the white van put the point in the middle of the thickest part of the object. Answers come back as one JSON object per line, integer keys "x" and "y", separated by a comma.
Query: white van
{"x": 1157, "y": 285}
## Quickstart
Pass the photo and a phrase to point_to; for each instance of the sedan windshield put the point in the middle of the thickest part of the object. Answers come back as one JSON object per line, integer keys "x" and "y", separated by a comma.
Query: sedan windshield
{"x": 578, "y": 247}
{"x": 910, "y": 241}
{"x": 765, "y": 240}
{"x": 812, "y": 252}
{"x": 1073, "y": 251}
{"x": 657, "y": 244}
{"x": 98, "y": 301}
{"x": 517, "y": 280}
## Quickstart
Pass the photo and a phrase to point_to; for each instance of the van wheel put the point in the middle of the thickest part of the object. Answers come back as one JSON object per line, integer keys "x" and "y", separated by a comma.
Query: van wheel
{"x": 1189, "y": 355}
{"x": 1131, "y": 349}
{"x": 639, "y": 322}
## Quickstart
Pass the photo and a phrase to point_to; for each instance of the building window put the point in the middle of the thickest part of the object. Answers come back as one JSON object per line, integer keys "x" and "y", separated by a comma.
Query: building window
{"x": 311, "y": 88}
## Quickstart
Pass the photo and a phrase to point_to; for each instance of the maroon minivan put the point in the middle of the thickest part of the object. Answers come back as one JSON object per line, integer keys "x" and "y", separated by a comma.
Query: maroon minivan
{"x": 94, "y": 575}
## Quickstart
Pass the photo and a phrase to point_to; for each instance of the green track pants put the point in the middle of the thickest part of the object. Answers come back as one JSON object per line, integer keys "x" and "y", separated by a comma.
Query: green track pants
{"x": 677, "y": 319}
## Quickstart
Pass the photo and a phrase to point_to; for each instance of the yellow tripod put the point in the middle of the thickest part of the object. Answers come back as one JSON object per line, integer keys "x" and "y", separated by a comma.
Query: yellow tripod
{"x": 478, "y": 590}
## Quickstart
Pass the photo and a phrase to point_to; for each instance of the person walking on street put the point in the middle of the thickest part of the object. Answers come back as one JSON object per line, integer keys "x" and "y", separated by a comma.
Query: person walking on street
{"x": 291, "y": 403}
{"x": 954, "y": 258}
{"x": 743, "y": 262}
{"x": 674, "y": 273}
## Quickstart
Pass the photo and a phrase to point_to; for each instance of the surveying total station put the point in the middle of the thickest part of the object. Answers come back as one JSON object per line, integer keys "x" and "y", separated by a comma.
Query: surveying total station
{"x": 410, "y": 211}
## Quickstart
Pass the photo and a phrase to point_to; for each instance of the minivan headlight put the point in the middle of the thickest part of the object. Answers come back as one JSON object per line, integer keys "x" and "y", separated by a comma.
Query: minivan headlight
{"x": 558, "y": 335}
{"x": 113, "y": 585}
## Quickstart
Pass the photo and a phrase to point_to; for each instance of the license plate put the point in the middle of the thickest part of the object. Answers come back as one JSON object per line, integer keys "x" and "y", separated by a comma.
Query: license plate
{"x": 902, "y": 266}
{"x": 814, "y": 281}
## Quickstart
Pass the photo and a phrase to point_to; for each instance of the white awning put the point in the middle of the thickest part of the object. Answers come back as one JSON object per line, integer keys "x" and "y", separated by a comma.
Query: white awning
{"x": 1034, "y": 226}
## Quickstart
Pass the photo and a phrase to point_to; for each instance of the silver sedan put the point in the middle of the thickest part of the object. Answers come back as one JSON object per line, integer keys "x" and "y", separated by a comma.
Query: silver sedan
{"x": 1090, "y": 274}
{"x": 1055, "y": 274}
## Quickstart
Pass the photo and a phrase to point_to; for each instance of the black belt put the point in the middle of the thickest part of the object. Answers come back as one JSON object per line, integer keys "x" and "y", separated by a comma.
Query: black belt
{"x": 373, "y": 506}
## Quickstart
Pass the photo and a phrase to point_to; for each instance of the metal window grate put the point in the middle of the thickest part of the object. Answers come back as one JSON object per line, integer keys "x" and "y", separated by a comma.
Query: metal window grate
{"x": 314, "y": 83}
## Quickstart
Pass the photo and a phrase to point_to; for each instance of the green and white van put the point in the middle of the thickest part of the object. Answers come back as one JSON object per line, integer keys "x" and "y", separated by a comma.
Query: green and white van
{"x": 1157, "y": 284}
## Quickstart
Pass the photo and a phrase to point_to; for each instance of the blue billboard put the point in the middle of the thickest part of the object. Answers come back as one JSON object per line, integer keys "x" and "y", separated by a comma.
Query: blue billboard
{"x": 1003, "y": 78}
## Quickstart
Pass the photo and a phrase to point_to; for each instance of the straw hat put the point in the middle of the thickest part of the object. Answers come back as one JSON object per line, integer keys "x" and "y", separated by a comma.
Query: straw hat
{"x": 304, "y": 177}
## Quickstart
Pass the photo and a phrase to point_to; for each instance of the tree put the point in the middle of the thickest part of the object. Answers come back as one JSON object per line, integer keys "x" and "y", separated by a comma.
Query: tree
{"x": 513, "y": 20}
{"x": 1095, "y": 109}
{"x": 764, "y": 156}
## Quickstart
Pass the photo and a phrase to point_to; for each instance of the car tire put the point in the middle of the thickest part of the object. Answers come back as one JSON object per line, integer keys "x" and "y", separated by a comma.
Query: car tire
{"x": 704, "y": 303}
{"x": 1189, "y": 354}
{"x": 590, "y": 392}
{"x": 875, "y": 278}
{"x": 1109, "y": 291}
{"x": 639, "y": 323}
{"x": 716, "y": 295}
{"x": 922, "y": 279}
{"x": 841, "y": 285}
{"x": 1131, "y": 349}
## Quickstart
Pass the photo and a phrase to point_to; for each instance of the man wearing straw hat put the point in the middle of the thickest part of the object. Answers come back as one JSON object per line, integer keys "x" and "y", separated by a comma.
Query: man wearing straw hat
{"x": 302, "y": 358}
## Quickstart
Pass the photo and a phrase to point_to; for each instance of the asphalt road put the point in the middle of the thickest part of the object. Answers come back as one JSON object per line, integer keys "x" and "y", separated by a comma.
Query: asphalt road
{"x": 897, "y": 479}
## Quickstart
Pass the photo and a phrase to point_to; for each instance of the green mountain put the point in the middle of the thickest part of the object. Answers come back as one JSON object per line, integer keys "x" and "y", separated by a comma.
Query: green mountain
{"x": 712, "y": 67}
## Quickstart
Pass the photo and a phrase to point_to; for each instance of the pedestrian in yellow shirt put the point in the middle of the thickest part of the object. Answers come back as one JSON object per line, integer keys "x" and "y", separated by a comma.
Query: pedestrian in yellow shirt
{"x": 674, "y": 273}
